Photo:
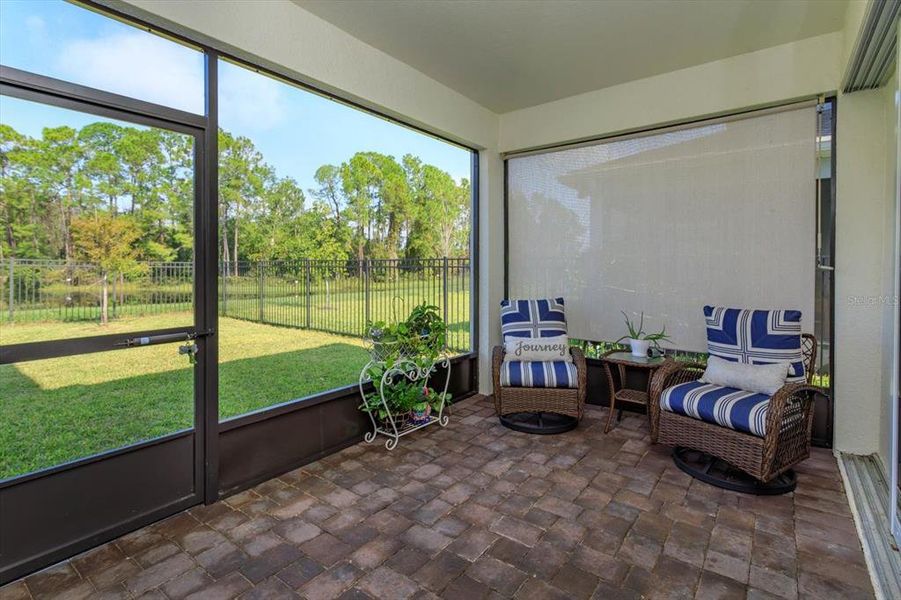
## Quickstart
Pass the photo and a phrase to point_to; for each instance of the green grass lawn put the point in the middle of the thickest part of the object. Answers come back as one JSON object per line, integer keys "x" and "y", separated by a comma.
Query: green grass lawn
{"x": 61, "y": 409}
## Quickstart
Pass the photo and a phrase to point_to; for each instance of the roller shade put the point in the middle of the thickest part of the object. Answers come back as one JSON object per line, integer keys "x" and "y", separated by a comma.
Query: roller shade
{"x": 721, "y": 213}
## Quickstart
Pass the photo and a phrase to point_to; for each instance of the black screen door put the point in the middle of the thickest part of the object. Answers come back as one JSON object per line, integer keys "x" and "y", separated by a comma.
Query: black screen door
{"x": 104, "y": 348}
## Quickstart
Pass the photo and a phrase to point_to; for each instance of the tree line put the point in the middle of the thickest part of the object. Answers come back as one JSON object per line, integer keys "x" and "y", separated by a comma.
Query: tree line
{"x": 127, "y": 192}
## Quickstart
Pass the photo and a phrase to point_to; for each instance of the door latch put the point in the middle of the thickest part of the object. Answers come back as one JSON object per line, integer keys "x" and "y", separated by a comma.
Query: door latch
{"x": 190, "y": 350}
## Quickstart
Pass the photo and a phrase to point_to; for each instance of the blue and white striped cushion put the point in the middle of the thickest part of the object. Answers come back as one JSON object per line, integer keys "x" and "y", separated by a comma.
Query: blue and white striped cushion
{"x": 730, "y": 407}
{"x": 550, "y": 374}
{"x": 757, "y": 337}
{"x": 533, "y": 318}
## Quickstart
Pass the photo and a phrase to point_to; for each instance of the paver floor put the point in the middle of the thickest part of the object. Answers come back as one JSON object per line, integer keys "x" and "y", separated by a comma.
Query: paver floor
{"x": 478, "y": 511}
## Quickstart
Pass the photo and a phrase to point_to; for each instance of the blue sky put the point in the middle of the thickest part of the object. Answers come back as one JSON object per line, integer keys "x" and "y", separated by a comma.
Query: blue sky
{"x": 295, "y": 130}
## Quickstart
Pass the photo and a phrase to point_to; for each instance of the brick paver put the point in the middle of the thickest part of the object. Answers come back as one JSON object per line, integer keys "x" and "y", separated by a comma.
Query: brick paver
{"x": 477, "y": 511}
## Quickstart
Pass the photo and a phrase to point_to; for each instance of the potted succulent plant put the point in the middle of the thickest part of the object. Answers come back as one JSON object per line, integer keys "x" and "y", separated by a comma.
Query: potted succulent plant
{"x": 639, "y": 341}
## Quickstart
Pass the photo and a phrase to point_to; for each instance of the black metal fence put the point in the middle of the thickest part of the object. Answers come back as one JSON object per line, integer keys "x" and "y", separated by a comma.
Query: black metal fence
{"x": 54, "y": 290}
{"x": 335, "y": 296}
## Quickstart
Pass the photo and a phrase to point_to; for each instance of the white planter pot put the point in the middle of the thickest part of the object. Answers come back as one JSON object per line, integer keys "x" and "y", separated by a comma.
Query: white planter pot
{"x": 640, "y": 347}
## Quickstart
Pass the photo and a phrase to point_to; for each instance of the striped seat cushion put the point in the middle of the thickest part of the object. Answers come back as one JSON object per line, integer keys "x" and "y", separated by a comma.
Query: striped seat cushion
{"x": 757, "y": 337}
{"x": 550, "y": 374}
{"x": 730, "y": 407}
{"x": 533, "y": 318}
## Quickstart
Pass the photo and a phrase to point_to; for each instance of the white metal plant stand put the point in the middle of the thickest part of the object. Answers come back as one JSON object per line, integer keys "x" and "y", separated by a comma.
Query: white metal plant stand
{"x": 393, "y": 427}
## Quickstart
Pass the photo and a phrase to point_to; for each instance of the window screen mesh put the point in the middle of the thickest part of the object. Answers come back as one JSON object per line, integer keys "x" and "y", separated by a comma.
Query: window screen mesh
{"x": 718, "y": 214}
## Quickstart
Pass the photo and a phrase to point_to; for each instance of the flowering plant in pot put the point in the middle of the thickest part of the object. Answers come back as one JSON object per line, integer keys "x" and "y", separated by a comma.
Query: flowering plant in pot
{"x": 639, "y": 341}
{"x": 430, "y": 400}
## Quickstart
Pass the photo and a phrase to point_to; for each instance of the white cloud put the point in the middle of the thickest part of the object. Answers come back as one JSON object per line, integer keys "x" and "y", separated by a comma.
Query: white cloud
{"x": 154, "y": 69}
{"x": 35, "y": 25}
{"x": 36, "y": 31}
{"x": 138, "y": 65}
{"x": 248, "y": 100}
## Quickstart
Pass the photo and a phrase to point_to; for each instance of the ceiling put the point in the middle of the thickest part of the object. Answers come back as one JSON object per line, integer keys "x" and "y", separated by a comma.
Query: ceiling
{"x": 510, "y": 54}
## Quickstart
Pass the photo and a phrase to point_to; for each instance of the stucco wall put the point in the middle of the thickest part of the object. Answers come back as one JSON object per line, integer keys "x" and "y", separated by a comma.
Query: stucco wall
{"x": 890, "y": 268}
{"x": 863, "y": 249}
{"x": 767, "y": 76}
{"x": 491, "y": 260}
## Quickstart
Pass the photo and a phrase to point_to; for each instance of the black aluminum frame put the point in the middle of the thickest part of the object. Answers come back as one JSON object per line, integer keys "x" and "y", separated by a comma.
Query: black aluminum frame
{"x": 474, "y": 255}
{"x": 93, "y": 527}
{"x": 53, "y": 92}
{"x": 208, "y": 430}
{"x": 48, "y": 90}
{"x": 506, "y": 228}
{"x": 208, "y": 371}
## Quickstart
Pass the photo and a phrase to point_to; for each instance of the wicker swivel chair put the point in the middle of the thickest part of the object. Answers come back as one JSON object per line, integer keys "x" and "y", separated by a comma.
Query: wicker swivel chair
{"x": 561, "y": 401}
{"x": 785, "y": 443}
{"x": 566, "y": 400}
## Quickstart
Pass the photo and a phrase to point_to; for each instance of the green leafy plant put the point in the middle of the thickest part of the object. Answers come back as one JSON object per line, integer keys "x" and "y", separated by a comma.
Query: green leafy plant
{"x": 427, "y": 328}
{"x": 421, "y": 337}
{"x": 431, "y": 398}
{"x": 593, "y": 349}
{"x": 638, "y": 333}
{"x": 402, "y": 397}
{"x": 413, "y": 343}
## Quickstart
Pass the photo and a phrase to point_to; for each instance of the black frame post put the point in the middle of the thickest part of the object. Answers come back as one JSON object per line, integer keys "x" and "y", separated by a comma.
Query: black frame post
{"x": 474, "y": 267}
{"x": 208, "y": 405}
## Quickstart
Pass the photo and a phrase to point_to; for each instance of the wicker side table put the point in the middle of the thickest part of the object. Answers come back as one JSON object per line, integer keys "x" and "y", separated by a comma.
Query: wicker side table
{"x": 618, "y": 361}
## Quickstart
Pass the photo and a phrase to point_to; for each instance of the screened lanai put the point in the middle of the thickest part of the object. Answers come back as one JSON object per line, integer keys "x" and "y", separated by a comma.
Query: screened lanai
{"x": 316, "y": 299}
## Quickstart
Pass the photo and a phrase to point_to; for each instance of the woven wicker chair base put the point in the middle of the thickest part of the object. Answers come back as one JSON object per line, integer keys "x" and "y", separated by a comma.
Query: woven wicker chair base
{"x": 561, "y": 401}
{"x": 741, "y": 450}
{"x": 738, "y": 449}
{"x": 789, "y": 422}
{"x": 520, "y": 400}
